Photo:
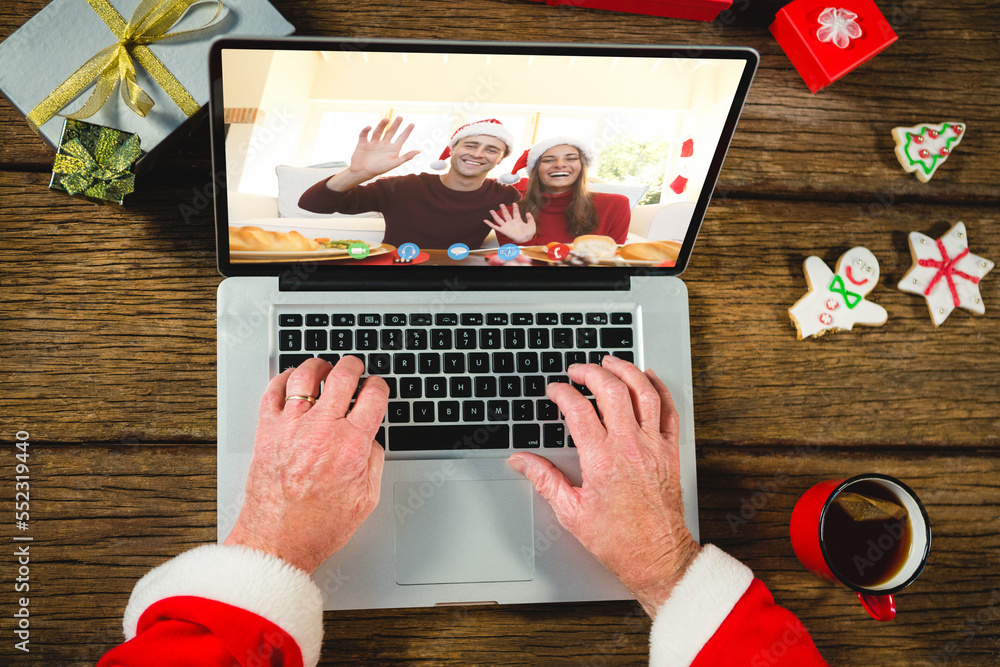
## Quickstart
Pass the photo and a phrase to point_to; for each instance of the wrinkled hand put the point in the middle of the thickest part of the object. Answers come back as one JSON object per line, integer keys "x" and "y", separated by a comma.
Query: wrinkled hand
{"x": 316, "y": 469}
{"x": 628, "y": 511}
{"x": 509, "y": 223}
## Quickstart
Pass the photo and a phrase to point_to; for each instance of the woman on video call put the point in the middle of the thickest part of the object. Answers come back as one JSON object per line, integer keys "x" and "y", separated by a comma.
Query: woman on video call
{"x": 556, "y": 205}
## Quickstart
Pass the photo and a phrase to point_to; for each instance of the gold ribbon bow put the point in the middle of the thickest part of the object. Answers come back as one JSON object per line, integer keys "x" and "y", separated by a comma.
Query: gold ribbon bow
{"x": 105, "y": 174}
{"x": 149, "y": 23}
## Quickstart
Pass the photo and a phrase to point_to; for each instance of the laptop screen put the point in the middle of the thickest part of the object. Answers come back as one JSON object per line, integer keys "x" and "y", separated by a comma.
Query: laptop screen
{"x": 348, "y": 155}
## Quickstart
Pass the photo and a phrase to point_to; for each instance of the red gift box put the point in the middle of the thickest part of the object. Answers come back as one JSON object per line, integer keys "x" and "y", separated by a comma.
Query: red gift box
{"x": 695, "y": 10}
{"x": 798, "y": 26}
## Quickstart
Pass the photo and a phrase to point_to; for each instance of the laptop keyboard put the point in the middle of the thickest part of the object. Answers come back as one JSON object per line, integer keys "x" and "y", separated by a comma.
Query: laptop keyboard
{"x": 463, "y": 380}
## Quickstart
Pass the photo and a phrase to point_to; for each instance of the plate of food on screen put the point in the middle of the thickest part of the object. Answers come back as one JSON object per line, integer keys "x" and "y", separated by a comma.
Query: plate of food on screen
{"x": 256, "y": 244}
{"x": 597, "y": 250}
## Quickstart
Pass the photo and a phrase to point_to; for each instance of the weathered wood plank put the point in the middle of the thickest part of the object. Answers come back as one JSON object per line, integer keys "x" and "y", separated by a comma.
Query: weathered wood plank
{"x": 101, "y": 516}
{"x": 108, "y": 330}
{"x": 835, "y": 145}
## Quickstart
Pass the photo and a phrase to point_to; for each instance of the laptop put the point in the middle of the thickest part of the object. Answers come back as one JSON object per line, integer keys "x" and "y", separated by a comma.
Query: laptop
{"x": 466, "y": 334}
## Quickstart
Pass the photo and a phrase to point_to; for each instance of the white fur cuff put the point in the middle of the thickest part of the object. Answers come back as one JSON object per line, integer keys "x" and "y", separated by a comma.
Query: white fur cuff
{"x": 238, "y": 576}
{"x": 697, "y": 606}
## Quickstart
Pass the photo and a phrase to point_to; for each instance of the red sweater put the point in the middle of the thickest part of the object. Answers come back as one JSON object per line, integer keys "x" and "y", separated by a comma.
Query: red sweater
{"x": 418, "y": 208}
{"x": 256, "y": 612}
{"x": 613, "y": 218}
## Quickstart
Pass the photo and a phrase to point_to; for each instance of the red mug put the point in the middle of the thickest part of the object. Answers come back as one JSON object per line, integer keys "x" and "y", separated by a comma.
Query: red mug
{"x": 874, "y": 557}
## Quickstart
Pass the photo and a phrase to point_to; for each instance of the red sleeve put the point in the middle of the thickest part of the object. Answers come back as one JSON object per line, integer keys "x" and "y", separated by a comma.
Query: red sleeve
{"x": 359, "y": 199}
{"x": 190, "y": 630}
{"x": 614, "y": 216}
{"x": 759, "y": 633}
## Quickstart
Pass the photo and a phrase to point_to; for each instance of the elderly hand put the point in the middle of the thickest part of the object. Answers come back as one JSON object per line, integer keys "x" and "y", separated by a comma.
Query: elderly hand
{"x": 628, "y": 511}
{"x": 316, "y": 469}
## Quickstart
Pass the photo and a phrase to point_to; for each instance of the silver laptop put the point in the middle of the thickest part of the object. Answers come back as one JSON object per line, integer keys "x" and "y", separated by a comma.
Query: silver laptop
{"x": 467, "y": 337}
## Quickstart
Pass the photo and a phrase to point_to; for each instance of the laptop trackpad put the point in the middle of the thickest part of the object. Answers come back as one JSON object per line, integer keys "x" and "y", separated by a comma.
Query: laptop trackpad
{"x": 463, "y": 531}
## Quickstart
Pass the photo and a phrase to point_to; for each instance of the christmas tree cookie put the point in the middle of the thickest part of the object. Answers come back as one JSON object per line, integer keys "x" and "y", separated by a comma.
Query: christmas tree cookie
{"x": 836, "y": 301}
{"x": 945, "y": 273}
{"x": 921, "y": 149}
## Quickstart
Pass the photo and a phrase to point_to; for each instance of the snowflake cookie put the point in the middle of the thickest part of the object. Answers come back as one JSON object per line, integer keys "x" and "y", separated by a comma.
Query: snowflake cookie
{"x": 836, "y": 301}
{"x": 921, "y": 149}
{"x": 946, "y": 273}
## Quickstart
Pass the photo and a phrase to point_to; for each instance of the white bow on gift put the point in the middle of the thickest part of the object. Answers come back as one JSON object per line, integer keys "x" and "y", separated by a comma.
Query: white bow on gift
{"x": 838, "y": 26}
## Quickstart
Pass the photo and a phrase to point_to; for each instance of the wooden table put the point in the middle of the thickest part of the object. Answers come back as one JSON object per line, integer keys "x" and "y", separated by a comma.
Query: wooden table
{"x": 108, "y": 352}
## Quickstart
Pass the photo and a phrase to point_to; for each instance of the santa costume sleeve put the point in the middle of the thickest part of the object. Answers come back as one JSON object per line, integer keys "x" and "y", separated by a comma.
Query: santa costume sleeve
{"x": 719, "y": 614}
{"x": 222, "y": 605}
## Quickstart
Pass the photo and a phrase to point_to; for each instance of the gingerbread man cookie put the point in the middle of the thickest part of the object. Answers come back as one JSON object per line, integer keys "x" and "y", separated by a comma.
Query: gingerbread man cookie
{"x": 836, "y": 301}
{"x": 921, "y": 149}
{"x": 946, "y": 273}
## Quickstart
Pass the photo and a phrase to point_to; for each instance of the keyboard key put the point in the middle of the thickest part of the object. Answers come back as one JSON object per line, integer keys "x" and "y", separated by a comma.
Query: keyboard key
{"x": 289, "y": 320}
{"x": 497, "y": 411}
{"x": 404, "y": 363}
{"x": 392, "y": 339}
{"x": 522, "y": 410}
{"x": 415, "y": 339}
{"x": 546, "y": 410}
{"x": 489, "y": 339}
{"x": 451, "y": 436}
{"x": 446, "y": 319}
{"x": 399, "y": 411}
{"x": 332, "y": 358}
{"x": 448, "y": 411}
{"x": 625, "y": 355}
{"x": 575, "y": 357}
{"x": 558, "y": 378}
{"x": 410, "y": 387}
{"x": 395, "y": 320}
{"x": 423, "y": 411}
{"x": 527, "y": 436}
{"x": 514, "y": 339}
{"x": 286, "y": 361}
{"x": 366, "y": 339}
{"x": 621, "y": 318}
{"x": 572, "y": 318}
{"x": 473, "y": 411}
{"x": 616, "y": 337}
{"x": 547, "y": 318}
{"x": 503, "y": 362}
{"x": 380, "y": 436}
{"x": 391, "y": 383}
{"x": 596, "y": 357}
{"x": 341, "y": 339}
{"x": 596, "y": 318}
{"x": 435, "y": 387}
{"x": 343, "y": 320}
{"x": 317, "y": 320}
{"x": 562, "y": 338}
{"x": 538, "y": 338}
{"x": 369, "y": 320}
{"x": 471, "y": 319}
{"x": 552, "y": 362}
{"x": 479, "y": 362}
{"x": 527, "y": 362}
{"x": 440, "y": 339}
{"x": 454, "y": 362}
{"x": 510, "y": 385}
{"x": 429, "y": 362}
{"x": 522, "y": 318}
{"x": 554, "y": 435}
{"x": 586, "y": 337}
{"x": 315, "y": 339}
{"x": 460, "y": 387}
{"x": 359, "y": 355}
{"x": 496, "y": 319}
{"x": 289, "y": 340}
{"x": 485, "y": 386}
{"x": 465, "y": 339}
{"x": 534, "y": 385}
{"x": 378, "y": 363}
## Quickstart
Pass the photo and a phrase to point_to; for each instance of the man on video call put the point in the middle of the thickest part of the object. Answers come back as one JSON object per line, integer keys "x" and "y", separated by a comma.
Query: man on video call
{"x": 431, "y": 210}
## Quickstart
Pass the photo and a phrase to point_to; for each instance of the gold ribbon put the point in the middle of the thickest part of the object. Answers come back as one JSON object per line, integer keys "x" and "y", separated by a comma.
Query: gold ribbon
{"x": 105, "y": 174}
{"x": 113, "y": 65}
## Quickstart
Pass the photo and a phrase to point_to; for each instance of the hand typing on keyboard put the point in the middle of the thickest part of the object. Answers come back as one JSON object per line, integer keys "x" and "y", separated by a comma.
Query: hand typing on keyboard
{"x": 316, "y": 468}
{"x": 628, "y": 511}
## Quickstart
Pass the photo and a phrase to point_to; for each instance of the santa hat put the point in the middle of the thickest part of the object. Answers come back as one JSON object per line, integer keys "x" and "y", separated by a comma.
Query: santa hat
{"x": 530, "y": 157}
{"x": 488, "y": 126}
